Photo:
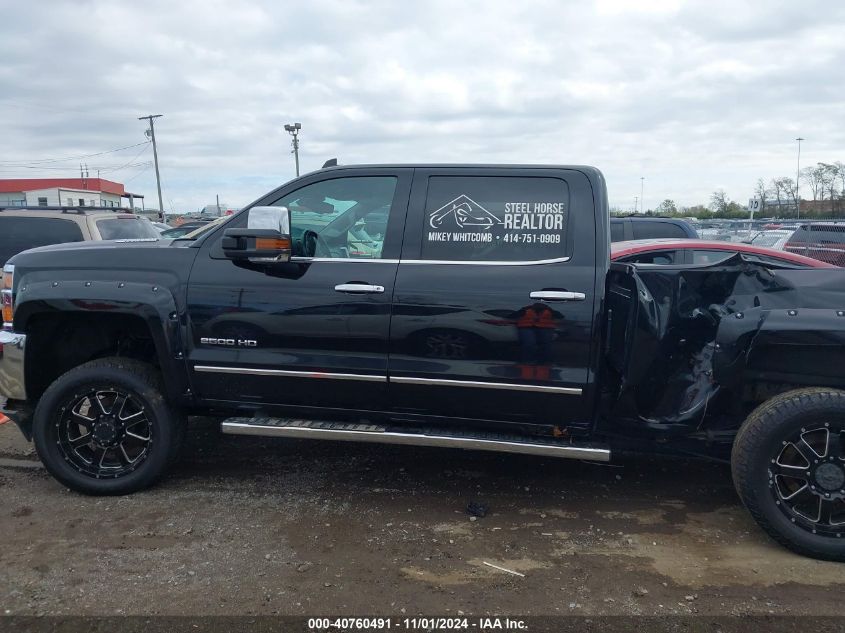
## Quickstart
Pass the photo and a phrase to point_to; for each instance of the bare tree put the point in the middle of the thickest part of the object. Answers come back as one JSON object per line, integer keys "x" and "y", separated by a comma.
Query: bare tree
{"x": 828, "y": 176}
{"x": 814, "y": 176}
{"x": 777, "y": 190}
{"x": 719, "y": 201}
{"x": 837, "y": 190}
{"x": 761, "y": 192}
{"x": 785, "y": 190}
{"x": 667, "y": 207}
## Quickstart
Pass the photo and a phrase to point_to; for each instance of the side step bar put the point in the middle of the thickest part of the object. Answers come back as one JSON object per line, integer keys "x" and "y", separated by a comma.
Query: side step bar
{"x": 350, "y": 432}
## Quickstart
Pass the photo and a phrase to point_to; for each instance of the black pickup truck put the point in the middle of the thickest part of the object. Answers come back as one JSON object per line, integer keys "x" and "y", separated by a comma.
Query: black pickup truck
{"x": 460, "y": 306}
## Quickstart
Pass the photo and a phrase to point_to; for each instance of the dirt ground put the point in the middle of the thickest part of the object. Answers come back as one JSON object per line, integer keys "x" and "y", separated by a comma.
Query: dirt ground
{"x": 258, "y": 526}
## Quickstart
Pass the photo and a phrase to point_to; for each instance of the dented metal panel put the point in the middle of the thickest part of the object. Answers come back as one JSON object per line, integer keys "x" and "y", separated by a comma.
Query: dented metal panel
{"x": 696, "y": 340}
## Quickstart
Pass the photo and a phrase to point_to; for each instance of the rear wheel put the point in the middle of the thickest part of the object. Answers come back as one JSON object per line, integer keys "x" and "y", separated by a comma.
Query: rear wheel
{"x": 104, "y": 427}
{"x": 788, "y": 465}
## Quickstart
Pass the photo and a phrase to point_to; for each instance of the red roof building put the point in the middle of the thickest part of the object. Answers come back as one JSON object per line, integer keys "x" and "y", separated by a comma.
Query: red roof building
{"x": 83, "y": 192}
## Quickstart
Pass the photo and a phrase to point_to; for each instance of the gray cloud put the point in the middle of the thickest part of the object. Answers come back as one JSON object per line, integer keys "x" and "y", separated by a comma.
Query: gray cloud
{"x": 693, "y": 96}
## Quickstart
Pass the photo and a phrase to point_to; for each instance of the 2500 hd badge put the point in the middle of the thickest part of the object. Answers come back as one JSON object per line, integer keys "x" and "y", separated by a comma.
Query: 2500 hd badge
{"x": 229, "y": 342}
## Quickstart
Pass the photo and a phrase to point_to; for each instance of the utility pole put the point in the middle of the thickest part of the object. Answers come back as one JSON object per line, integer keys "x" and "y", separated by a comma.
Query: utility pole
{"x": 798, "y": 180}
{"x": 642, "y": 200}
{"x": 152, "y": 135}
{"x": 293, "y": 130}
{"x": 636, "y": 200}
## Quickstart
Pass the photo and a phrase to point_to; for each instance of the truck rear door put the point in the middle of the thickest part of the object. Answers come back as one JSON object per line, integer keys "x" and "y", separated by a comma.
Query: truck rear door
{"x": 495, "y": 297}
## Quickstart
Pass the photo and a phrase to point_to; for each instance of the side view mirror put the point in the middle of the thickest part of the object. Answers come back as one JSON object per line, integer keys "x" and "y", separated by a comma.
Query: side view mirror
{"x": 265, "y": 240}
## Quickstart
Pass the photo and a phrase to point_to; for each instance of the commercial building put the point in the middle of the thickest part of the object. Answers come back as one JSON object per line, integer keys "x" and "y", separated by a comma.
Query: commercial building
{"x": 73, "y": 192}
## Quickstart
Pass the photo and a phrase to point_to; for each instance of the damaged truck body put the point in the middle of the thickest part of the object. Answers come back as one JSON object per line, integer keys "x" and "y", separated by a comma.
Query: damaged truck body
{"x": 455, "y": 306}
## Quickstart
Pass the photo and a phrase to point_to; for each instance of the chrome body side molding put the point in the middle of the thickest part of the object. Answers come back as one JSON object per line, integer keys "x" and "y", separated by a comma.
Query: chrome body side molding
{"x": 350, "y": 432}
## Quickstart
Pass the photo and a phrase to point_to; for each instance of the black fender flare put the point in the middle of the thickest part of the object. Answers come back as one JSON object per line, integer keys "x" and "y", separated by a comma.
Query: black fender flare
{"x": 802, "y": 346}
{"x": 154, "y": 303}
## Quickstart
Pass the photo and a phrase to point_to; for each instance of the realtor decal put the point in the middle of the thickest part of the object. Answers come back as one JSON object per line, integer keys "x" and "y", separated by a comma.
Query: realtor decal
{"x": 463, "y": 214}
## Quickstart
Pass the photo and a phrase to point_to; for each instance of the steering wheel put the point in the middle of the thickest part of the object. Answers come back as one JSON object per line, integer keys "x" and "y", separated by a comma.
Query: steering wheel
{"x": 312, "y": 243}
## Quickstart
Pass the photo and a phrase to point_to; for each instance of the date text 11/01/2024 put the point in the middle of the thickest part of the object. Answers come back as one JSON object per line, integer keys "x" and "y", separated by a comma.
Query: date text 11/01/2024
{"x": 419, "y": 624}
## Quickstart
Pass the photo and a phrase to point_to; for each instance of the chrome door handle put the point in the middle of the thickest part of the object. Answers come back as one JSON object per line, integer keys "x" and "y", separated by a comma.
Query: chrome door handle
{"x": 359, "y": 288}
{"x": 558, "y": 295}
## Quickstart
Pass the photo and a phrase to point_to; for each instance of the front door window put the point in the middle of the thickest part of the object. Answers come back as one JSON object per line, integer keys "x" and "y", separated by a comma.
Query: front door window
{"x": 342, "y": 218}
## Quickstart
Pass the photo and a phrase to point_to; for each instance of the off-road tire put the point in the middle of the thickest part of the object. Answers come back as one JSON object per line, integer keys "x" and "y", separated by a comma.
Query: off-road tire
{"x": 759, "y": 438}
{"x": 143, "y": 382}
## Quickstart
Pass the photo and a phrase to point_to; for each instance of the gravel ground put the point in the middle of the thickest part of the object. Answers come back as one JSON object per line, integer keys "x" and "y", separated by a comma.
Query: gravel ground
{"x": 258, "y": 526}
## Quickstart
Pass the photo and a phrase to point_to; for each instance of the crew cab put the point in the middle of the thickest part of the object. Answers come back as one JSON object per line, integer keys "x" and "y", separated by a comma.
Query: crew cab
{"x": 463, "y": 306}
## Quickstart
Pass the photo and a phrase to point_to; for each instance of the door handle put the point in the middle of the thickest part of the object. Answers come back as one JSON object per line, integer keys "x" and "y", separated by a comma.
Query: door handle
{"x": 359, "y": 288}
{"x": 558, "y": 295}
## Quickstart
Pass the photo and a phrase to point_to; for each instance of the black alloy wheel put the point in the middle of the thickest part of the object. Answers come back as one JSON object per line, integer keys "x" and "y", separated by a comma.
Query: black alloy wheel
{"x": 104, "y": 432}
{"x": 807, "y": 478}
{"x": 104, "y": 427}
{"x": 788, "y": 464}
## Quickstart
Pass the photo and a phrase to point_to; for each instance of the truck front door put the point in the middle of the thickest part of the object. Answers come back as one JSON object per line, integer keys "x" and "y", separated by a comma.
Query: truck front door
{"x": 495, "y": 299}
{"x": 313, "y": 332}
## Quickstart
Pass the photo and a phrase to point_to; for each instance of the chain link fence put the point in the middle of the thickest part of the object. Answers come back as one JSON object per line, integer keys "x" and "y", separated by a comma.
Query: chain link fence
{"x": 823, "y": 240}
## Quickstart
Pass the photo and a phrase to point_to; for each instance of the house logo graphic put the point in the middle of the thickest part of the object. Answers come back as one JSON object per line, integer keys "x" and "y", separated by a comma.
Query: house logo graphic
{"x": 462, "y": 212}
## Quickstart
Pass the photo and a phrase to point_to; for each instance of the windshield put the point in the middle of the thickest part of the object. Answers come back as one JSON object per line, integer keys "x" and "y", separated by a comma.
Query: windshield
{"x": 126, "y": 228}
{"x": 202, "y": 230}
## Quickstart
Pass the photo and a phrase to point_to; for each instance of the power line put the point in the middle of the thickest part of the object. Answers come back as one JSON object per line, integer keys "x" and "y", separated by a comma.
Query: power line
{"x": 23, "y": 162}
{"x": 140, "y": 173}
{"x": 134, "y": 158}
{"x": 105, "y": 170}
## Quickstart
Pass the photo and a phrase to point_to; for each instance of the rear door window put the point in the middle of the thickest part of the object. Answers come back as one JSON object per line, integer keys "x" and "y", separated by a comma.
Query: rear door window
{"x": 18, "y": 234}
{"x": 495, "y": 218}
{"x": 828, "y": 235}
{"x": 649, "y": 230}
{"x": 818, "y": 234}
{"x": 655, "y": 257}
{"x": 617, "y": 230}
{"x": 126, "y": 229}
{"x": 701, "y": 257}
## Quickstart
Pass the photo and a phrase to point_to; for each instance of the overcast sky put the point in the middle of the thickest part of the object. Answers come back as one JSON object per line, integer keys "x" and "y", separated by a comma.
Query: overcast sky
{"x": 692, "y": 96}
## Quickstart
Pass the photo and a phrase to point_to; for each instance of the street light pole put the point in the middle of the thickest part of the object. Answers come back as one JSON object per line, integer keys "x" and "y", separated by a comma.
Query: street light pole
{"x": 293, "y": 130}
{"x": 151, "y": 118}
{"x": 642, "y": 200}
{"x": 798, "y": 181}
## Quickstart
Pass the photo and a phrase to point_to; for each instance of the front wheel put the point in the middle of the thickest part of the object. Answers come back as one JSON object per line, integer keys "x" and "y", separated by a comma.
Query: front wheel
{"x": 104, "y": 428}
{"x": 788, "y": 464}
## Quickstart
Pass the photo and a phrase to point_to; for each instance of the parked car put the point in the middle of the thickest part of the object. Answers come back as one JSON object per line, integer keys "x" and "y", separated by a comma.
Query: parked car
{"x": 702, "y": 252}
{"x": 216, "y": 211}
{"x": 161, "y": 226}
{"x": 182, "y": 230}
{"x": 486, "y": 316}
{"x": 772, "y": 238}
{"x": 22, "y": 228}
{"x": 824, "y": 241}
{"x": 635, "y": 228}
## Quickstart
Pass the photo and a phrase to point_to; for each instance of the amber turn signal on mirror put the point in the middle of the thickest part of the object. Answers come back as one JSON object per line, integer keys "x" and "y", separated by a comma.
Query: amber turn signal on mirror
{"x": 272, "y": 244}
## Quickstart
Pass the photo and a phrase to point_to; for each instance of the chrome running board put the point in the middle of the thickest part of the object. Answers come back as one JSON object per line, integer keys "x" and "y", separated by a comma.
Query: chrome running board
{"x": 351, "y": 432}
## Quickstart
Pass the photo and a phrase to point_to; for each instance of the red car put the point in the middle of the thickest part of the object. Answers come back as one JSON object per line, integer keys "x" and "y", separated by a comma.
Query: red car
{"x": 698, "y": 252}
